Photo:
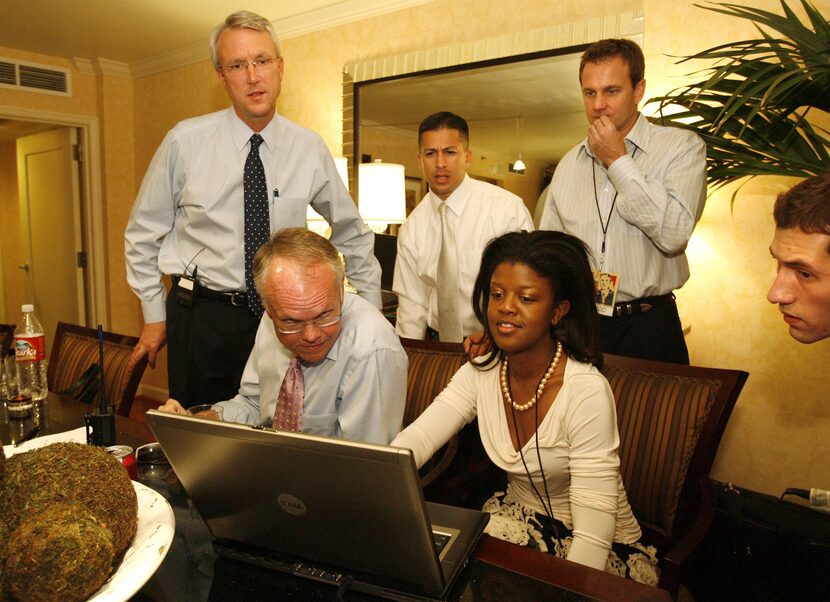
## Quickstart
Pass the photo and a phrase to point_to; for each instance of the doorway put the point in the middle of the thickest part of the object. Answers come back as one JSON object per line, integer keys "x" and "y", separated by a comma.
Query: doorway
{"x": 54, "y": 232}
{"x": 51, "y": 252}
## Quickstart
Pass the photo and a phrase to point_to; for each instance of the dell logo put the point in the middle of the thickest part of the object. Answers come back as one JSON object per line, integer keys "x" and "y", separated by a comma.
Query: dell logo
{"x": 291, "y": 504}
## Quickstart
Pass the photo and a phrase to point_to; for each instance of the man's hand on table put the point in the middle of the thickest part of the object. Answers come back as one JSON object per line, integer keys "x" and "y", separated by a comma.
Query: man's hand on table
{"x": 173, "y": 406}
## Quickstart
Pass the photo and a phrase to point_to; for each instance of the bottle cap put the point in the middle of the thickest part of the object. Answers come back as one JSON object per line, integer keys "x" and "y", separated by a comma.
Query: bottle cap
{"x": 27, "y": 307}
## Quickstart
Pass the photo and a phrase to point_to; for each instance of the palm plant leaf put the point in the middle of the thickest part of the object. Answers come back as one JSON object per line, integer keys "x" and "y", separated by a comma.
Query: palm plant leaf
{"x": 751, "y": 106}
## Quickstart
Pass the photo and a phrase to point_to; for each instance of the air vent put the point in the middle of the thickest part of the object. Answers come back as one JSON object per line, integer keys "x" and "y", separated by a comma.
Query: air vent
{"x": 7, "y": 75}
{"x": 34, "y": 78}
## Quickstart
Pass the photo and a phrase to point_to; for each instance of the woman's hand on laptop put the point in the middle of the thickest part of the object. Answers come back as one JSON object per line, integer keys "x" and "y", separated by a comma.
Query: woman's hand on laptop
{"x": 173, "y": 406}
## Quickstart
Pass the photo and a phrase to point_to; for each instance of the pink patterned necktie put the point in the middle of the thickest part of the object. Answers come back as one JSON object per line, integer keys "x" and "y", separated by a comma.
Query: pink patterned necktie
{"x": 288, "y": 415}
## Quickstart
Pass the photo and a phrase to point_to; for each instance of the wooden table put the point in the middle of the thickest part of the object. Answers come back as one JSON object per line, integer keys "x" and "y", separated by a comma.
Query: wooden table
{"x": 56, "y": 414}
{"x": 497, "y": 568}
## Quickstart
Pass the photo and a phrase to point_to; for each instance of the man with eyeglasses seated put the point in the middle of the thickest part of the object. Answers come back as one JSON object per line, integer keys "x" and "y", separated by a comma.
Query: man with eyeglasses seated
{"x": 217, "y": 187}
{"x": 325, "y": 362}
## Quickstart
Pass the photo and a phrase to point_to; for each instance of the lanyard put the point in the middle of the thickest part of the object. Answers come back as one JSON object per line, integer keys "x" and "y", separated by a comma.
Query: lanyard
{"x": 604, "y": 223}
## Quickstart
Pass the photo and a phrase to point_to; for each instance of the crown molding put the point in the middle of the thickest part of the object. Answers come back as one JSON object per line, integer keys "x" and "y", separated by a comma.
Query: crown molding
{"x": 338, "y": 14}
{"x": 101, "y": 66}
{"x": 171, "y": 60}
{"x": 84, "y": 66}
{"x": 287, "y": 28}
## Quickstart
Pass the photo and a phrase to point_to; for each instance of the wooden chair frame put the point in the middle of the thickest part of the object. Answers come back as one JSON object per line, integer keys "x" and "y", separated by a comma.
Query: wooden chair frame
{"x": 6, "y": 338}
{"x": 124, "y": 404}
{"x": 696, "y": 504}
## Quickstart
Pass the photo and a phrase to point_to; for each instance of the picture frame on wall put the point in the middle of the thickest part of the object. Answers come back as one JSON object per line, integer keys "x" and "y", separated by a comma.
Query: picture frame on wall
{"x": 414, "y": 189}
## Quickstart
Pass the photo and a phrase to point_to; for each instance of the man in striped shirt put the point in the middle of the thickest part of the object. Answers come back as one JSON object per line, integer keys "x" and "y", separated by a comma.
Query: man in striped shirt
{"x": 633, "y": 191}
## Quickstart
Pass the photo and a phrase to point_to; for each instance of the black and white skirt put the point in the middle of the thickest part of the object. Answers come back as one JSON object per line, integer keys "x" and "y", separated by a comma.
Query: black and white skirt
{"x": 518, "y": 524}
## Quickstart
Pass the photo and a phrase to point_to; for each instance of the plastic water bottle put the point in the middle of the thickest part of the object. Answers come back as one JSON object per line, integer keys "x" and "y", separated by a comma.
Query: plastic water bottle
{"x": 30, "y": 356}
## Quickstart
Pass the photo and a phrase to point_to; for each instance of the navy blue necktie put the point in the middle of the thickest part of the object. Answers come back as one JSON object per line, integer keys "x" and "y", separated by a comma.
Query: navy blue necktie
{"x": 257, "y": 218}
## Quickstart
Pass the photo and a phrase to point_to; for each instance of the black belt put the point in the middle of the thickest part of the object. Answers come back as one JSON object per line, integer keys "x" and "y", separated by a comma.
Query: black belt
{"x": 235, "y": 298}
{"x": 642, "y": 305}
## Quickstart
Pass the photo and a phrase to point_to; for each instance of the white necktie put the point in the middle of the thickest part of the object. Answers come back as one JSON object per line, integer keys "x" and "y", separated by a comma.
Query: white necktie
{"x": 449, "y": 320}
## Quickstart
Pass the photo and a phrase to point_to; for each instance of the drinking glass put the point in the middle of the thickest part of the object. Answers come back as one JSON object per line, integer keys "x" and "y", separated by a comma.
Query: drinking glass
{"x": 208, "y": 411}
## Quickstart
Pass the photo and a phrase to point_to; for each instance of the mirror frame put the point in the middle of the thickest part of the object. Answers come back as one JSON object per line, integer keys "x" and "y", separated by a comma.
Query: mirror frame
{"x": 508, "y": 48}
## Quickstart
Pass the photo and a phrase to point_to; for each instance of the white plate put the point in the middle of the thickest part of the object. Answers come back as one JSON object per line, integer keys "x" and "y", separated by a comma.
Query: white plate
{"x": 156, "y": 527}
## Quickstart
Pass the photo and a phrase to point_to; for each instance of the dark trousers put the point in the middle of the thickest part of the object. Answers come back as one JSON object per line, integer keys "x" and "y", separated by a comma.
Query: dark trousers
{"x": 653, "y": 335}
{"x": 207, "y": 348}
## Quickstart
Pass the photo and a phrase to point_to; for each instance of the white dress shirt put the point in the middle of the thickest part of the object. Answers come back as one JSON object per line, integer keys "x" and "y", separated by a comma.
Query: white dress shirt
{"x": 577, "y": 442}
{"x": 661, "y": 188}
{"x": 357, "y": 392}
{"x": 477, "y": 212}
{"x": 190, "y": 208}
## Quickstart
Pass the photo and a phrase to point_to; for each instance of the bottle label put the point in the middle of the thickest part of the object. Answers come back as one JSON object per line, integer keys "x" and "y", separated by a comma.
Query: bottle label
{"x": 30, "y": 348}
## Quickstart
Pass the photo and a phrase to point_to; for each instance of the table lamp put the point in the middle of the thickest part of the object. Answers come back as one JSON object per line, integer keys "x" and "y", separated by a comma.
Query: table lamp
{"x": 382, "y": 196}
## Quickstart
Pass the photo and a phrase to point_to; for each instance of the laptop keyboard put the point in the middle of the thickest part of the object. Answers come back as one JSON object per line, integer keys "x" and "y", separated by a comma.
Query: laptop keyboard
{"x": 441, "y": 540}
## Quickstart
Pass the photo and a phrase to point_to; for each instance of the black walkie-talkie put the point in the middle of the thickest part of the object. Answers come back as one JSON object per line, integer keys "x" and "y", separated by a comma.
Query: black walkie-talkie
{"x": 100, "y": 423}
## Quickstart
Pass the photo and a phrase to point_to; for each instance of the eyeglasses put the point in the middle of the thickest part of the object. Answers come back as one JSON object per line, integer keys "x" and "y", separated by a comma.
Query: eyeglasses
{"x": 293, "y": 327}
{"x": 260, "y": 65}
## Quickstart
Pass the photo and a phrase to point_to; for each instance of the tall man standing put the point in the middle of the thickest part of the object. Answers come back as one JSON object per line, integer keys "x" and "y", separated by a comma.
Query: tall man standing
{"x": 801, "y": 247}
{"x": 440, "y": 244}
{"x": 217, "y": 187}
{"x": 633, "y": 192}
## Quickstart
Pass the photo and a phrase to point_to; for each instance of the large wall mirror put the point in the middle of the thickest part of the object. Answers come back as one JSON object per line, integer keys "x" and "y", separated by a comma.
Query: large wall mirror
{"x": 519, "y": 92}
{"x": 528, "y": 106}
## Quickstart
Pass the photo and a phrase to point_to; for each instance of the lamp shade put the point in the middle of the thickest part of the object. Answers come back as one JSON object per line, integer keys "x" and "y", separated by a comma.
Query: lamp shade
{"x": 382, "y": 196}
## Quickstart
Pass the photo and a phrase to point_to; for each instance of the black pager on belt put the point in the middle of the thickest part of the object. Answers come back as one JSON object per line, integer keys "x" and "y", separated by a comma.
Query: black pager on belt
{"x": 186, "y": 290}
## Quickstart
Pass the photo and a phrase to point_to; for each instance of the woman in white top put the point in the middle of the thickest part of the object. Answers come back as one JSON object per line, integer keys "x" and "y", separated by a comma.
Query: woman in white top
{"x": 546, "y": 414}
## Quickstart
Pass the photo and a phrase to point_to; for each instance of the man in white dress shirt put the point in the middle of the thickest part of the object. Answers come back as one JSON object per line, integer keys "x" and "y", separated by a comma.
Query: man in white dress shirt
{"x": 801, "y": 247}
{"x": 189, "y": 219}
{"x": 633, "y": 192}
{"x": 476, "y": 212}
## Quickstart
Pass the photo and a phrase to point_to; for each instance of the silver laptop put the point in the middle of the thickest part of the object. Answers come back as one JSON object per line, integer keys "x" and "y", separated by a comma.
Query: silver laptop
{"x": 346, "y": 513}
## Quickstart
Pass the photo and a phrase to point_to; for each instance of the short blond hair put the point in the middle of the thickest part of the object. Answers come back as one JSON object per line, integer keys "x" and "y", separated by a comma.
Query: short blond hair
{"x": 242, "y": 19}
{"x": 300, "y": 246}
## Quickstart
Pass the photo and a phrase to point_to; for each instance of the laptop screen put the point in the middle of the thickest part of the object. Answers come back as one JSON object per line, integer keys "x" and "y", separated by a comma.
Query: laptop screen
{"x": 346, "y": 504}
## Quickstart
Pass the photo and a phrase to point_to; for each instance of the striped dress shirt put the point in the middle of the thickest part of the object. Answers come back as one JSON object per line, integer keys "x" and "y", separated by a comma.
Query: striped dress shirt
{"x": 660, "y": 188}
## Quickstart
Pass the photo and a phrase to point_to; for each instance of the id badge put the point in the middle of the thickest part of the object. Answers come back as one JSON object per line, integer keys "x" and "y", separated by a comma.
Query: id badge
{"x": 605, "y": 286}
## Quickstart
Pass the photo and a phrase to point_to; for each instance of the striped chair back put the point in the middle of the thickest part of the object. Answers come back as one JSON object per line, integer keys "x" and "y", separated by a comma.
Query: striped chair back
{"x": 431, "y": 366}
{"x": 660, "y": 418}
{"x": 75, "y": 349}
{"x": 671, "y": 419}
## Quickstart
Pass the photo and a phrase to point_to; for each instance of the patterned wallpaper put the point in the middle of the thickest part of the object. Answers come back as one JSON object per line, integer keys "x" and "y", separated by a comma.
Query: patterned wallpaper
{"x": 777, "y": 435}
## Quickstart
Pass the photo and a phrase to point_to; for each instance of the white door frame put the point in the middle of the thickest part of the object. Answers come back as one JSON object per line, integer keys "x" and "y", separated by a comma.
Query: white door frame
{"x": 91, "y": 199}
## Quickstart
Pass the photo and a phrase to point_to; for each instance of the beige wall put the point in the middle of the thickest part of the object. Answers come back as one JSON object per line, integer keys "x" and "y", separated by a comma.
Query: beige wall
{"x": 14, "y": 282}
{"x": 115, "y": 104}
{"x": 777, "y": 433}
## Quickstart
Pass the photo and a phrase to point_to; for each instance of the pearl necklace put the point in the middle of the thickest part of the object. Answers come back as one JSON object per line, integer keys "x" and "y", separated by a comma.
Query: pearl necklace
{"x": 505, "y": 387}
